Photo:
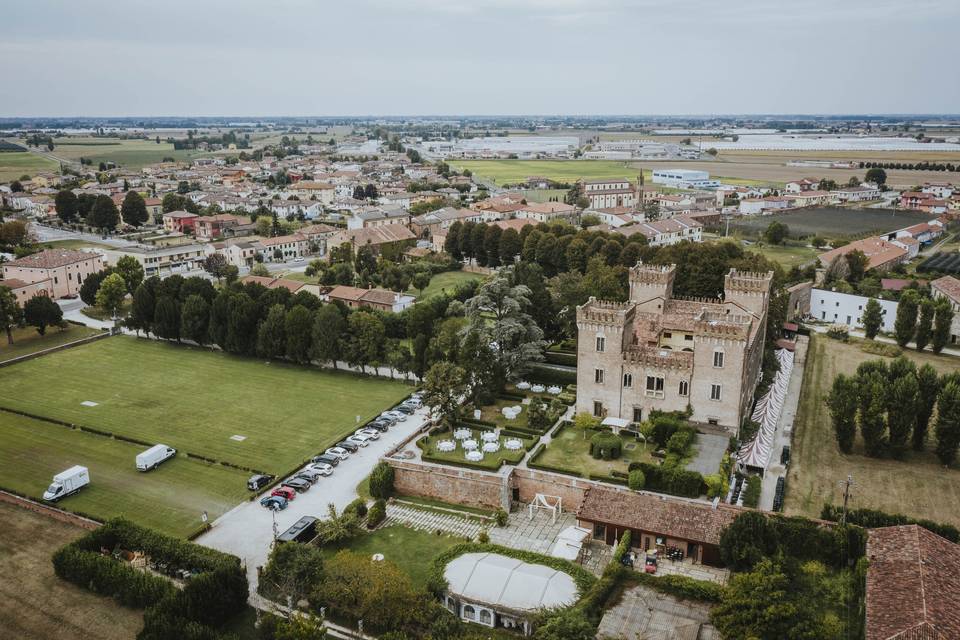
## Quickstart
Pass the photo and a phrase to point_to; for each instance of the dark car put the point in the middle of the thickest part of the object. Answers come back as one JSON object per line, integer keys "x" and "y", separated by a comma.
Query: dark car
{"x": 349, "y": 446}
{"x": 404, "y": 409}
{"x": 300, "y": 485}
{"x": 277, "y": 503}
{"x": 379, "y": 425}
{"x": 259, "y": 481}
{"x": 330, "y": 460}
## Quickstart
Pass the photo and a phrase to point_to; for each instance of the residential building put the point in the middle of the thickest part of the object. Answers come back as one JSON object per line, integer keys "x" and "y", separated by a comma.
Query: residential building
{"x": 293, "y": 286}
{"x": 804, "y": 184}
{"x": 179, "y": 221}
{"x": 915, "y": 199}
{"x": 65, "y": 269}
{"x": 548, "y": 211}
{"x": 376, "y": 238}
{"x": 847, "y": 309}
{"x": 861, "y": 193}
{"x": 378, "y": 218}
{"x": 940, "y": 190}
{"x": 660, "y": 352}
{"x": 159, "y": 260}
{"x": 311, "y": 190}
{"x": 283, "y": 248}
{"x": 665, "y": 232}
{"x": 238, "y": 252}
{"x": 23, "y": 291}
{"x": 948, "y": 288}
{"x": 603, "y": 194}
{"x": 212, "y": 227}
{"x": 882, "y": 254}
{"x": 357, "y": 298}
{"x": 810, "y": 198}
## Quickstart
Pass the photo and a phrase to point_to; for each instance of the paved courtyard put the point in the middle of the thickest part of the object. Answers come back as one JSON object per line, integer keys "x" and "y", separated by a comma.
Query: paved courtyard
{"x": 643, "y": 613}
{"x": 710, "y": 449}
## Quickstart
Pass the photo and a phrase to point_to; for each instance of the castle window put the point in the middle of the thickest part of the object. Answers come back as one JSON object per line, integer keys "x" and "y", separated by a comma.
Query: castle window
{"x": 688, "y": 337}
{"x": 715, "y": 392}
{"x": 628, "y": 379}
{"x": 601, "y": 343}
{"x": 637, "y": 414}
{"x": 598, "y": 376}
{"x": 684, "y": 388}
{"x": 654, "y": 386}
{"x": 718, "y": 358}
{"x": 597, "y": 409}
{"x": 667, "y": 334}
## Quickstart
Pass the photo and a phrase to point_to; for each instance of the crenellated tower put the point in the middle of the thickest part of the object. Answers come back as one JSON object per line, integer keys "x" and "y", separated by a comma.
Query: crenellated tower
{"x": 648, "y": 281}
{"x": 749, "y": 289}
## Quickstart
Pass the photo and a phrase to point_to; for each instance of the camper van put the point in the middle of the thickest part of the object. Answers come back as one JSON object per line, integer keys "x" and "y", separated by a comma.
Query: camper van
{"x": 66, "y": 483}
{"x": 153, "y": 456}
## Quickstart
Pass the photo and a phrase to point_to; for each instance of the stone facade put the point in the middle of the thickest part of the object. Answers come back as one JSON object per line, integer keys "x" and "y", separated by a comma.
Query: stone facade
{"x": 660, "y": 352}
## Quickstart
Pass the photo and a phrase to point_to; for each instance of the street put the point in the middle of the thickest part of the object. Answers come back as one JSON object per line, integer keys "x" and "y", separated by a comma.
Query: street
{"x": 247, "y": 530}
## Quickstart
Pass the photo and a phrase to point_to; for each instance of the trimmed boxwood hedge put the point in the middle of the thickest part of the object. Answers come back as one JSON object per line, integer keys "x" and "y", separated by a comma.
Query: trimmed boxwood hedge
{"x": 871, "y": 519}
{"x": 673, "y": 480}
{"x": 547, "y": 375}
{"x": 606, "y": 445}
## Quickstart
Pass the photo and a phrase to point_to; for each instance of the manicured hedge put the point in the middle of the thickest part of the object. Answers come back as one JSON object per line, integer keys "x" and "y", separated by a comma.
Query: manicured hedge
{"x": 109, "y": 577}
{"x": 673, "y": 480}
{"x": 872, "y": 519}
{"x": 560, "y": 357}
{"x": 606, "y": 445}
{"x": 547, "y": 375}
{"x": 683, "y": 587}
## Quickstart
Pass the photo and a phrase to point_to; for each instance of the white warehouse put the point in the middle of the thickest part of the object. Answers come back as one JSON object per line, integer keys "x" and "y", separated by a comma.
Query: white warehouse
{"x": 684, "y": 179}
{"x": 847, "y": 309}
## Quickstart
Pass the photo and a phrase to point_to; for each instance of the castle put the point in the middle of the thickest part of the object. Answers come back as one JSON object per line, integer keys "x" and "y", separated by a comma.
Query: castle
{"x": 661, "y": 352}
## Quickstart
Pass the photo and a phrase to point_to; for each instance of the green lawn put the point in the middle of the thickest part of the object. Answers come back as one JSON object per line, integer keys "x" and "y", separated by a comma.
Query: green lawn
{"x": 512, "y": 171}
{"x": 196, "y": 400}
{"x": 133, "y": 154}
{"x": 490, "y": 460}
{"x": 410, "y": 549}
{"x": 99, "y": 313}
{"x": 788, "y": 255}
{"x": 27, "y": 340}
{"x": 446, "y": 281}
{"x": 570, "y": 450}
{"x": 14, "y": 164}
{"x": 169, "y": 498}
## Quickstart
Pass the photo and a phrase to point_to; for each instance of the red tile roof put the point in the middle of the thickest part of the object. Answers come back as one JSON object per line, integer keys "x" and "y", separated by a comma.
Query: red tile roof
{"x": 948, "y": 286}
{"x": 53, "y": 258}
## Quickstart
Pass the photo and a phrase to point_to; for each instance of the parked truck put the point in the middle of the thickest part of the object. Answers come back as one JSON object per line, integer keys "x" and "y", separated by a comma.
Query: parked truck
{"x": 66, "y": 483}
{"x": 153, "y": 456}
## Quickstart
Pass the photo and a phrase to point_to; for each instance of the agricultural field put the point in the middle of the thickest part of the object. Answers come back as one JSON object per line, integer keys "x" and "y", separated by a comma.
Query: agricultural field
{"x": 14, "y": 164}
{"x": 170, "y": 498}
{"x": 268, "y": 416}
{"x": 34, "y": 603}
{"x": 941, "y": 262}
{"x": 443, "y": 282}
{"x": 830, "y": 222}
{"x": 27, "y": 340}
{"x": 511, "y": 171}
{"x": 132, "y": 154}
{"x": 918, "y": 486}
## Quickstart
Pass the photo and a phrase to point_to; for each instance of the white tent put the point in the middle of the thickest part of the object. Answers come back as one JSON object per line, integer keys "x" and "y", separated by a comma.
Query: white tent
{"x": 569, "y": 543}
{"x": 615, "y": 424}
{"x": 756, "y": 453}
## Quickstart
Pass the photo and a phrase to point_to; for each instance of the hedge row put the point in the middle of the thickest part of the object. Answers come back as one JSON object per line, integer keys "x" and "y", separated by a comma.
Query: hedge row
{"x": 106, "y": 576}
{"x": 683, "y": 587}
{"x": 871, "y": 519}
{"x": 563, "y": 358}
{"x": 548, "y": 375}
{"x": 669, "y": 479}
{"x": 610, "y": 478}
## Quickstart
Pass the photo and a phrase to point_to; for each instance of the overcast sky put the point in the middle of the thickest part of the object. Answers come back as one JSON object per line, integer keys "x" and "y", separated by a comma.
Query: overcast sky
{"x": 358, "y": 57}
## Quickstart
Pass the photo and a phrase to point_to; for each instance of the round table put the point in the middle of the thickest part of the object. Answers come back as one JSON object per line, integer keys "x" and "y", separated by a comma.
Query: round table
{"x": 490, "y": 436}
{"x": 469, "y": 445}
{"x": 474, "y": 456}
{"x": 513, "y": 444}
{"x": 462, "y": 434}
{"x": 446, "y": 445}
{"x": 523, "y": 386}
{"x": 490, "y": 447}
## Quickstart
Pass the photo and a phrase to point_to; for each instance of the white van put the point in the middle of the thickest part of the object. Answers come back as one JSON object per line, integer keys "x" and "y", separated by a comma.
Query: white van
{"x": 66, "y": 483}
{"x": 154, "y": 456}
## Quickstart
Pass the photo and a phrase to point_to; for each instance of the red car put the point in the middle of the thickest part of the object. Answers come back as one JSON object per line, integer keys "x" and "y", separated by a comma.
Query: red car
{"x": 285, "y": 492}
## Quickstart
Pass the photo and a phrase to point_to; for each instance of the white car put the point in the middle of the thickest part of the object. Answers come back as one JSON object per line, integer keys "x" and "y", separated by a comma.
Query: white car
{"x": 373, "y": 434}
{"x": 399, "y": 416}
{"x": 362, "y": 440}
{"x": 321, "y": 467}
{"x": 416, "y": 403}
{"x": 338, "y": 452}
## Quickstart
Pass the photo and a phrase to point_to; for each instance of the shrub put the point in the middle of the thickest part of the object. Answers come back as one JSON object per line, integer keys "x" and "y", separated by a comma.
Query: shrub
{"x": 717, "y": 485}
{"x": 376, "y": 514}
{"x": 673, "y": 480}
{"x": 871, "y": 518}
{"x": 838, "y": 332}
{"x": 679, "y": 443}
{"x": 501, "y": 517}
{"x": 636, "y": 479}
{"x": 483, "y": 537}
{"x": 751, "y": 497}
{"x": 605, "y": 445}
{"x": 381, "y": 481}
{"x": 358, "y": 508}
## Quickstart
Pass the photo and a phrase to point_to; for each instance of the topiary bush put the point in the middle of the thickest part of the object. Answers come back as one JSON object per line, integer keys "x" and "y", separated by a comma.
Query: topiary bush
{"x": 606, "y": 445}
{"x": 376, "y": 514}
{"x": 636, "y": 479}
{"x": 501, "y": 517}
{"x": 381, "y": 481}
{"x": 358, "y": 507}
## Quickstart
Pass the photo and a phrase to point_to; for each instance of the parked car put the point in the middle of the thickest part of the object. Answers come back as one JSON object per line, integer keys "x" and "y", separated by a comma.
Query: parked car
{"x": 379, "y": 425}
{"x": 259, "y": 481}
{"x": 383, "y": 417}
{"x": 362, "y": 440}
{"x": 396, "y": 415}
{"x": 284, "y": 492}
{"x": 310, "y": 475}
{"x": 322, "y": 467}
{"x": 406, "y": 409}
{"x": 349, "y": 446}
{"x": 277, "y": 503}
{"x": 414, "y": 401}
{"x": 341, "y": 453}
{"x": 373, "y": 434}
{"x": 303, "y": 530}
{"x": 299, "y": 485}
{"x": 330, "y": 460}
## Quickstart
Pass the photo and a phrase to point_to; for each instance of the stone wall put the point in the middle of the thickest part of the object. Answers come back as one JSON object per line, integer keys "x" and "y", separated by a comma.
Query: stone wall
{"x": 530, "y": 482}
{"x": 449, "y": 484}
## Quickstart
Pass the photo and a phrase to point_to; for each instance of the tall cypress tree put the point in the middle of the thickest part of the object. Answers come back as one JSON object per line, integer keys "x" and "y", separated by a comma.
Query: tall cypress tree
{"x": 948, "y": 423}
{"x": 942, "y": 321}
{"x": 925, "y": 325}
{"x": 842, "y": 402}
{"x": 928, "y": 386}
{"x": 906, "y": 322}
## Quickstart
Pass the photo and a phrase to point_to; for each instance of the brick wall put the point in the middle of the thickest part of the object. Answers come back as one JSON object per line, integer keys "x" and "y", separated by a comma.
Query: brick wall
{"x": 450, "y": 484}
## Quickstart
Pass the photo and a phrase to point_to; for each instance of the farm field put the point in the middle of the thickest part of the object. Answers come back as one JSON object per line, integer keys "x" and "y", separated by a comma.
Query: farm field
{"x": 509, "y": 171}
{"x": 830, "y": 222}
{"x": 918, "y": 486}
{"x": 445, "y": 281}
{"x": 14, "y": 164}
{"x": 196, "y": 400}
{"x": 34, "y": 603}
{"x": 27, "y": 340}
{"x": 170, "y": 498}
{"x": 132, "y": 154}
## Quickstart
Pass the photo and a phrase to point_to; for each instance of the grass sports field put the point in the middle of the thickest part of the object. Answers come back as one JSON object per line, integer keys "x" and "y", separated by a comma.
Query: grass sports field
{"x": 37, "y": 605}
{"x": 446, "y": 281}
{"x": 27, "y": 340}
{"x": 830, "y": 222}
{"x": 918, "y": 486}
{"x": 169, "y": 499}
{"x": 197, "y": 400}
{"x": 14, "y": 164}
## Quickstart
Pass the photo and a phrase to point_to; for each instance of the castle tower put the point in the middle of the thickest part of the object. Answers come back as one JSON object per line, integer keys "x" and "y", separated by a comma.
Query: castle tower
{"x": 648, "y": 281}
{"x": 750, "y": 290}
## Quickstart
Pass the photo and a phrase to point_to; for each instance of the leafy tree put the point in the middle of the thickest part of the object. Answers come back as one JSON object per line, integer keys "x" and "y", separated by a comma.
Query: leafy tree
{"x": 876, "y": 175}
{"x": 66, "y": 203}
{"x": 906, "y": 323}
{"x": 902, "y": 412}
{"x": 842, "y": 402}
{"x": 857, "y": 263}
{"x": 298, "y": 327}
{"x": 539, "y": 416}
{"x": 421, "y": 281}
{"x": 947, "y": 428}
{"x": 510, "y": 246}
{"x": 925, "y": 324}
{"x": 216, "y": 264}
{"x": 90, "y": 286}
{"x": 566, "y": 625}
{"x": 585, "y": 422}
{"x": 776, "y": 233}
{"x": 111, "y": 293}
{"x": 366, "y": 344}
{"x": 10, "y": 312}
{"x": 166, "y": 318}
{"x": 142, "y": 309}
{"x": 452, "y": 242}
{"x": 381, "y": 481}
{"x": 748, "y": 540}
{"x": 296, "y": 627}
{"x": 338, "y": 528}
{"x": 872, "y": 318}
{"x": 329, "y": 327}
{"x": 42, "y": 312}
{"x": 942, "y": 321}
{"x": 134, "y": 209}
{"x": 928, "y": 386}
{"x": 219, "y": 318}
{"x": 104, "y": 214}
{"x": 271, "y": 335}
{"x": 195, "y": 318}
{"x": 131, "y": 271}
{"x": 444, "y": 386}
{"x": 242, "y": 316}
{"x": 872, "y": 415}
{"x": 636, "y": 479}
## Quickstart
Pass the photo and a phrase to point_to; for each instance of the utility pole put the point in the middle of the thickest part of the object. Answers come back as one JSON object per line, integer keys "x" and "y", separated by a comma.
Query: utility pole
{"x": 846, "y": 497}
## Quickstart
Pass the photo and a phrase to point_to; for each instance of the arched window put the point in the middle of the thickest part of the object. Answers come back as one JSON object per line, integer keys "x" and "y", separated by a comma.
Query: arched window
{"x": 485, "y": 617}
{"x": 451, "y": 604}
{"x": 469, "y": 613}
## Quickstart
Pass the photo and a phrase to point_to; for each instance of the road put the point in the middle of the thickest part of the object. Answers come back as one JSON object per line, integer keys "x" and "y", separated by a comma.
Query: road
{"x": 247, "y": 530}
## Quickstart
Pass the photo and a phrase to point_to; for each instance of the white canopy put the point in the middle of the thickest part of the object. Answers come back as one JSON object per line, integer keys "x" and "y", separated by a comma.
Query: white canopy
{"x": 569, "y": 543}
{"x": 497, "y": 580}
{"x": 615, "y": 424}
{"x": 756, "y": 453}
